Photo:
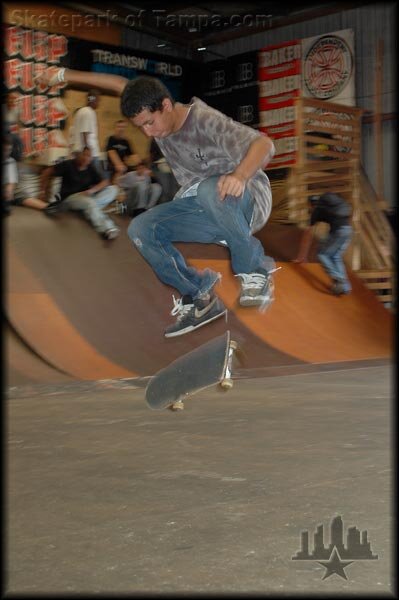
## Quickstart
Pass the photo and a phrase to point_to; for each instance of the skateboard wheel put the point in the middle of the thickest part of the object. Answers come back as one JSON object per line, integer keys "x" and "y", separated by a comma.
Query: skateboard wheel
{"x": 178, "y": 405}
{"x": 233, "y": 345}
{"x": 226, "y": 384}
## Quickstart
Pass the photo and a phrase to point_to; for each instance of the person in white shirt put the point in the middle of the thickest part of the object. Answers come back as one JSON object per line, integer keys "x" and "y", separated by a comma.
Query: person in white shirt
{"x": 85, "y": 128}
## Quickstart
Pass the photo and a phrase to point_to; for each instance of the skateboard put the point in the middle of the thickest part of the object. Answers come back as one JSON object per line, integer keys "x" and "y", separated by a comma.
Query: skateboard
{"x": 207, "y": 365}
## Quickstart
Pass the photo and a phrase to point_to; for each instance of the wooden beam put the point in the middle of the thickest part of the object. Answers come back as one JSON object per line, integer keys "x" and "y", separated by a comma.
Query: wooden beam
{"x": 378, "y": 145}
{"x": 370, "y": 118}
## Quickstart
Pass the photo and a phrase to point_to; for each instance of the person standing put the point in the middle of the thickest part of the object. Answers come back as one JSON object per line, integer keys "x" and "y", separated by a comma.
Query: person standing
{"x": 336, "y": 212}
{"x": 85, "y": 128}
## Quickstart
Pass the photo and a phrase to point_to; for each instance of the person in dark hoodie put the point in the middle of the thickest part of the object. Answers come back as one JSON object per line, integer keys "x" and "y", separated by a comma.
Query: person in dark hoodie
{"x": 336, "y": 212}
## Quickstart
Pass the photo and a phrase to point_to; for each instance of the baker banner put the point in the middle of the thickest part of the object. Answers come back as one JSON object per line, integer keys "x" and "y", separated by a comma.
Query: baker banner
{"x": 279, "y": 76}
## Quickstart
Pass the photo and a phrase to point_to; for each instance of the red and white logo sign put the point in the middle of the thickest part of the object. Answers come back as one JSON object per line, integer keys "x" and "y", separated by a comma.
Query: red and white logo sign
{"x": 328, "y": 67}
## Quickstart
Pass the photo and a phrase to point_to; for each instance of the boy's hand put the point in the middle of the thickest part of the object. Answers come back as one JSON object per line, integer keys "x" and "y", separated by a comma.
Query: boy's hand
{"x": 49, "y": 77}
{"x": 231, "y": 184}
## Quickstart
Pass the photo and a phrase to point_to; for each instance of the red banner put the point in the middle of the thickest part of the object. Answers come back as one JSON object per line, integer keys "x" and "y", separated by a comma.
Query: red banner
{"x": 41, "y": 110}
{"x": 280, "y": 83}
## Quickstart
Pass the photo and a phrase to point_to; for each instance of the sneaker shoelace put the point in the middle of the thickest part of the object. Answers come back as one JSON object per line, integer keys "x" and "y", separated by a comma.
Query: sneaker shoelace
{"x": 179, "y": 308}
{"x": 252, "y": 280}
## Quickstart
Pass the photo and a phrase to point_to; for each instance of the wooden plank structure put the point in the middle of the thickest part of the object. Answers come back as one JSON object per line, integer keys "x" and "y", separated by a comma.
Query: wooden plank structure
{"x": 329, "y": 160}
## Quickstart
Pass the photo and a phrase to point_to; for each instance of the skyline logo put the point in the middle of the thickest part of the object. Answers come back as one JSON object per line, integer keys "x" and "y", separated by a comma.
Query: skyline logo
{"x": 336, "y": 556}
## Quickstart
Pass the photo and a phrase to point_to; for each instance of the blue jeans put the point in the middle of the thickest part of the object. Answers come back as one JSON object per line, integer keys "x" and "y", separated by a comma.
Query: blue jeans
{"x": 106, "y": 195}
{"x": 91, "y": 207}
{"x": 204, "y": 219}
{"x": 140, "y": 191}
{"x": 331, "y": 255}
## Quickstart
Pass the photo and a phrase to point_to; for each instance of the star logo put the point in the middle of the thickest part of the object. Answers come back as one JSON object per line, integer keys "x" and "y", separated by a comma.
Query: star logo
{"x": 335, "y": 565}
{"x": 340, "y": 552}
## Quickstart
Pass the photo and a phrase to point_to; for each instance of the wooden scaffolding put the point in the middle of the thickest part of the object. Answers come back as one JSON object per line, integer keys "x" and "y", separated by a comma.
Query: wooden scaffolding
{"x": 329, "y": 160}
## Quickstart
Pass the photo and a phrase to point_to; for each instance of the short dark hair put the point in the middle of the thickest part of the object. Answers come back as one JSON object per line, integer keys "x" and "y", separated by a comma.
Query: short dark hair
{"x": 314, "y": 200}
{"x": 143, "y": 93}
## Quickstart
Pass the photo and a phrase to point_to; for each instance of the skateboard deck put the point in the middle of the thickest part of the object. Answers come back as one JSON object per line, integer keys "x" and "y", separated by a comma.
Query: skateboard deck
{"x": 207, "y": 365}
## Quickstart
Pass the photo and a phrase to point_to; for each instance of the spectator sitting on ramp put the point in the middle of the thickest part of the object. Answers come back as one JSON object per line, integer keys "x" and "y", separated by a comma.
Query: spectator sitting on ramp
{"x": 134, "y": 179}
{"x": 336, "y": 212}
{"x": 82, "y": 189}
{"x": 22, "y": 179}
{"x": 224, "y": 197}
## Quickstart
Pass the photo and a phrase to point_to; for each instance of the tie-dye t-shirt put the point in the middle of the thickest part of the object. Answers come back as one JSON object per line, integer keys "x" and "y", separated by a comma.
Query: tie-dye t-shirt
{"x": 210, "y": 143}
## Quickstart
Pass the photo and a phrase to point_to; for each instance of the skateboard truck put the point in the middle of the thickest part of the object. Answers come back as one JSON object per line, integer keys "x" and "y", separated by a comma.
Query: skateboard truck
{"x": 227, "y": 381}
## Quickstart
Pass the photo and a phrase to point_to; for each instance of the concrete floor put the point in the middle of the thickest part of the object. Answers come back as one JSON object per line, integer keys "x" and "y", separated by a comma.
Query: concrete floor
{"x": 104, "y": 495}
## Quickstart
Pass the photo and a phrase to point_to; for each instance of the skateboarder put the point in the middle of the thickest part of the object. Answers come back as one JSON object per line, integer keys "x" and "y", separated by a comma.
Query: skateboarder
{"x": 224, "y": 197}
{"x": 335, "y": 211}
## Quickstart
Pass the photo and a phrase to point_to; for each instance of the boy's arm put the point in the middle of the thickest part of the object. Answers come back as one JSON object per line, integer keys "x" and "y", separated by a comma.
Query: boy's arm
{"x": 260, "y": 152}
{"x": 55, "y": 75}
{"x": 304, "y": 245}
{"x": 85, "y": 138}
{"x": 114, "y": 157}
{"x": 98, "y": 182}
{"x": 97, "y": 187}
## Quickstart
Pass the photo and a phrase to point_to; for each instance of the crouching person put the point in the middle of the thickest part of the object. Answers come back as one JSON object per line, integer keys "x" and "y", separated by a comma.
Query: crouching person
{"x": 82, "y": 189}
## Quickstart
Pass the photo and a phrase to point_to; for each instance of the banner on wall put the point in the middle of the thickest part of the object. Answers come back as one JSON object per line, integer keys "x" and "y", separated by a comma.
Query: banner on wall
{"x": 28, "y": 53}
{"x": 104, "y": 58}
{"x": 42, "y": 113}
{"x": 232, "y": 87}
{"x": 279, "y": 75}
{"x": 328, "y": 67}
{"x": 320, "y": 67}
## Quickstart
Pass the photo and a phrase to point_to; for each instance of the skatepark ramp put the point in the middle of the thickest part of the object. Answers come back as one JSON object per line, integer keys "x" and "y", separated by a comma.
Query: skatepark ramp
{"x": 82, "y": 308}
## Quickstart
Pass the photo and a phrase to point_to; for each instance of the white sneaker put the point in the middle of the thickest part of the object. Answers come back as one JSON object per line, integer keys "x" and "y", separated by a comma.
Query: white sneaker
{"x": 256, "y": 289}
